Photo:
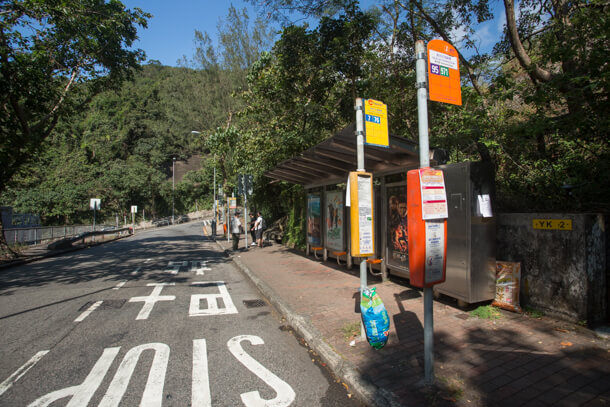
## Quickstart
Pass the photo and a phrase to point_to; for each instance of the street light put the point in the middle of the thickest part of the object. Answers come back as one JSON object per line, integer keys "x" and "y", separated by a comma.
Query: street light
{"x": 214, "y": 222}
{"x": 173, "y": 185}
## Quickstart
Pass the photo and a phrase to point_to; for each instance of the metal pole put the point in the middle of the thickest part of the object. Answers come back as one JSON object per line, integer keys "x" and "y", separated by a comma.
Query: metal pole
{"x": 360, "y": 155}
{"x": 214, "y": 205}
{"x": 360, "y": 133}
{"x": 424, "y": 161}
{"x": 173, "y": 184}
{"x": 246, "y": 230}
{"x": 422, "y": 104}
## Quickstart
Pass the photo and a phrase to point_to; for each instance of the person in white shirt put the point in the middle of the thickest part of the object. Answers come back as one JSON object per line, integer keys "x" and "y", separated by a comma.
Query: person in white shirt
{"x": 258, "y": 228}
{"x": 236, "y": 230}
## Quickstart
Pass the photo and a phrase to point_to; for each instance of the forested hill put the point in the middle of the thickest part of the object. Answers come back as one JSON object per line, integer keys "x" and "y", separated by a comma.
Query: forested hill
{"x": 535, "y": 106}
{"x": 121, "y": 147}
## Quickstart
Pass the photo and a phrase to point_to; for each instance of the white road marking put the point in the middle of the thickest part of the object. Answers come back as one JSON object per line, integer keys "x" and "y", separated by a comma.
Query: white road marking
{"x": 12, "y": 379}
{"x": 82, "y": 393}
{"x": 119, "y": 285}
{"x": 147, "y": 260}
{"x": 136, "y": 271}
{"x": 153, "y": 392}
{"x": 88, "y": 311}
{"x": 212, "y": 301}
{"x": 149, "y": 301}
{"x": 199, "y": 267}
{"x": 284, "y": 393}
{"x": 200, "y": 393}
{"x": 174, "y": 266}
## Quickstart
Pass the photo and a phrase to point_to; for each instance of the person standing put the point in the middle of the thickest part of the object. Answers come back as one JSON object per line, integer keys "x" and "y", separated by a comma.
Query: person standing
{"x": 235, "y": 230}
{"x": 251, "y": 228}
{"x": 258, "y": 227}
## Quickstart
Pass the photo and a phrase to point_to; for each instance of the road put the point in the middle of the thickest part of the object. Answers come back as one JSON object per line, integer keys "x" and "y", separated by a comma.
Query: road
{"x": 159, "y": 318}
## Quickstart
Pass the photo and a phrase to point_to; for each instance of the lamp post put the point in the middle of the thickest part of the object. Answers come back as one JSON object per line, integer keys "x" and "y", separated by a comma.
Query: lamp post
{"x": 215, "y": 220}
{"x": 173, "y": 185}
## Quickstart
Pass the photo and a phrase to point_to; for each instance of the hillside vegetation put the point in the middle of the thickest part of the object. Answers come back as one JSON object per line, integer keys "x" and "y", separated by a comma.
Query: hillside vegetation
{"x": 536, "y": 106}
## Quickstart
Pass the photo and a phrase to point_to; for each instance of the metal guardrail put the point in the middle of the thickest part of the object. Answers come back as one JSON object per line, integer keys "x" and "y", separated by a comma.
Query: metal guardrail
{"x": 91, "y": 238}
{"x": 43, "y": 234}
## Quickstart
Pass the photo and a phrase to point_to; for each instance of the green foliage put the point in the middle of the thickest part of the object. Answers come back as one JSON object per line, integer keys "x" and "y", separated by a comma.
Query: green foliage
{"x": 120, "y": 150}
{"x": 543, "y": 125}
{"x": 486, "y": 312}
{"x": 296, "y": 225}
{"x": 533, "y": 313}
{"x": 53, "y": 56}
{"x": 350, "y": 330}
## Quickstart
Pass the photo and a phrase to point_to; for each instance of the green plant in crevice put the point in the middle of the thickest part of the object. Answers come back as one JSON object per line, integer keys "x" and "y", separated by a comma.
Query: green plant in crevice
{"x": 486, "y": 312}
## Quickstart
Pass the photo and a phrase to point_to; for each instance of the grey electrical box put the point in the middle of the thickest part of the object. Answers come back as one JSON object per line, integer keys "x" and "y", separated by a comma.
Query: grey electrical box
{"x": 471, "y": 232}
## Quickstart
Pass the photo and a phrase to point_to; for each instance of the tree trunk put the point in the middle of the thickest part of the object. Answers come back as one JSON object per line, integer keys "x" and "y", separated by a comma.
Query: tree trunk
{"x": 535, "y": 72}
{"x": 5, "y": 250}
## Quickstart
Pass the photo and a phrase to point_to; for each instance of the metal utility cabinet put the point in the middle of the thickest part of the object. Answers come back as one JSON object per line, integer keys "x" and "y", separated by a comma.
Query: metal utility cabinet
{"x": 471, "y": 233}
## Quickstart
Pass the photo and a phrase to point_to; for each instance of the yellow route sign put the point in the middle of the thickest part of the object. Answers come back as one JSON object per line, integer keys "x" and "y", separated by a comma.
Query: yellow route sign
{"x": 376, "y": 123}
{"x": 552, "y": 224}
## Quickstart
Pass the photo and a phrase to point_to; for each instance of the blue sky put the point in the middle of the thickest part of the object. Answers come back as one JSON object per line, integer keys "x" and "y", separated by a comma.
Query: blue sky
{"x": 171, "y": 30}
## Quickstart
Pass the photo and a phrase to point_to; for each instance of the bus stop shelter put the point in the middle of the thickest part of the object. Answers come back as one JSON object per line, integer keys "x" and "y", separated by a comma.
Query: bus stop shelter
{"x": 331, "y": 161}
{"x": 323, "y": 171}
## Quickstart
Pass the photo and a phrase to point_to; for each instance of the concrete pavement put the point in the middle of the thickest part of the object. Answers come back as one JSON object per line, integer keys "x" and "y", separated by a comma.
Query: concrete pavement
{"x": 516, "y": 360}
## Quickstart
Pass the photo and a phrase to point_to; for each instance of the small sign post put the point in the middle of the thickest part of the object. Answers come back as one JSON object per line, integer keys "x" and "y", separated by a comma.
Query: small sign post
{"x": 442, "y": 85}
{"x": 360, "y": 187}
{"x": 134, "y": 210}
{"x": 94, "y": 204}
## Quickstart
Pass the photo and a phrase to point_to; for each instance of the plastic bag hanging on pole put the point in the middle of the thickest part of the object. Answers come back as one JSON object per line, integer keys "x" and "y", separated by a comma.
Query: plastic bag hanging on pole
{"x": 375, "y": 318}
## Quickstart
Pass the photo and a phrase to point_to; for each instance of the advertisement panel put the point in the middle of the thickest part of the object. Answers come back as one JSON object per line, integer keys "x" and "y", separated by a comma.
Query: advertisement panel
{"x": 334, "y": 220}
{"x": 314, "y": 236}
{"x": 398, "y": 246}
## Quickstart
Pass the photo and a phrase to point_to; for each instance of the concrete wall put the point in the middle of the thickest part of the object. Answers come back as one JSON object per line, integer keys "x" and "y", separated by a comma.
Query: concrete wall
{"x": 564, "y": 272}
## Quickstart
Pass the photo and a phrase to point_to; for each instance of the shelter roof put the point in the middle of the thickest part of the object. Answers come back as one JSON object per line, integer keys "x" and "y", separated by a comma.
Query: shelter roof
{"x": 332, "y": 160}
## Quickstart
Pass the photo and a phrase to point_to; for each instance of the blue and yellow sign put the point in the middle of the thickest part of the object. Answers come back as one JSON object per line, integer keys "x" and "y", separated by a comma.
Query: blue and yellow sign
{"x": 376, "y": 123}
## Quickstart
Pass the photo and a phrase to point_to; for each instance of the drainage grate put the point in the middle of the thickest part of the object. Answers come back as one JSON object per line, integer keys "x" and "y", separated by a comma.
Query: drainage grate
{"x": 106, "y": 304}
{"x": 254, "y": 303}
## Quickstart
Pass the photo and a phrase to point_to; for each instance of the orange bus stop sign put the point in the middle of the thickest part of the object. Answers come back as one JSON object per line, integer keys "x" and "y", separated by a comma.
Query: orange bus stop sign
{"x": 444, "y": 73}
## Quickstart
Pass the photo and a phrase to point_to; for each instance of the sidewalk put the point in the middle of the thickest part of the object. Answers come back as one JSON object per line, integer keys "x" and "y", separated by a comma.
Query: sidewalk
{"x": 512, "y": 361}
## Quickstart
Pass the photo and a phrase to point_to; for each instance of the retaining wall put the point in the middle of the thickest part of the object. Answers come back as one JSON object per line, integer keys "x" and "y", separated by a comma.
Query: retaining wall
{"x": 564, "y": 271}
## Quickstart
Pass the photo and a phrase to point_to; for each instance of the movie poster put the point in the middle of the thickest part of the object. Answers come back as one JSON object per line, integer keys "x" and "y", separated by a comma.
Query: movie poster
{"x": 334, "y": 220}
{"x": 314, "y": 236}
{"x": 398, "y": 247}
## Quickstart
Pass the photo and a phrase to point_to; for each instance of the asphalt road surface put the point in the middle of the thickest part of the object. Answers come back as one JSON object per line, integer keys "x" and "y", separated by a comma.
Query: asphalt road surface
{"x": 161, "y": 318}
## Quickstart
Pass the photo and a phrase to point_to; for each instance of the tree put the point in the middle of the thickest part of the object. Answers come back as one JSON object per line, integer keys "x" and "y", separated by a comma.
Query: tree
{"x": 55, "y": 55}
{"x": 535, "y": 105}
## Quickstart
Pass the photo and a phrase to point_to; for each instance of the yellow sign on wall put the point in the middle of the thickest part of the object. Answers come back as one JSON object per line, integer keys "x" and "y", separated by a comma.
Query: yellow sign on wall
{"x": 552, "y": 224}
{"x": 376, "y": 123}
